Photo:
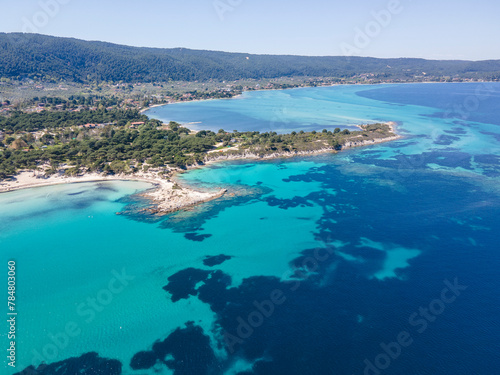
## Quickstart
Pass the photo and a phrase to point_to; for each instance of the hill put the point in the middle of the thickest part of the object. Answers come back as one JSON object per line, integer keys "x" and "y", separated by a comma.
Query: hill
{"x": 46, "y": 57}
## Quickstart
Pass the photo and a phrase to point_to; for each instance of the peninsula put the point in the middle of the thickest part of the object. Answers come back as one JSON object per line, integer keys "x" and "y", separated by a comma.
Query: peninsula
{"x": 50, "y": 152}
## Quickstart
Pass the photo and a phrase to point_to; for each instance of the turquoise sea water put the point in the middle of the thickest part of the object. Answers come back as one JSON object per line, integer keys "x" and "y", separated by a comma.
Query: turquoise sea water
{"x": 314, "y": 265}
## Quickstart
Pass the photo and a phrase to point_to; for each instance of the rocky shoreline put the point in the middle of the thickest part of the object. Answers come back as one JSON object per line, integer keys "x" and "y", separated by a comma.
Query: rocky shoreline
{"x": 165, "y": 201}
{"x": 288, "y": 154}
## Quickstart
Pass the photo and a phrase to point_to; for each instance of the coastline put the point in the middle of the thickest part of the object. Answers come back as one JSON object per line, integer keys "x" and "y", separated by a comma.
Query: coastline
{"x": 289, "y": 154}
{"x": 191, "y": 101}
{"x": 169, "y": 196}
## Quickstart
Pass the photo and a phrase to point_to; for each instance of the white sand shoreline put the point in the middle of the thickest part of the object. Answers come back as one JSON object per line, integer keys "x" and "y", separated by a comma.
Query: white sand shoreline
{"x": 187, "y": 101}
{"x": 27, "y": 180}
{"x": 167, "y": 196}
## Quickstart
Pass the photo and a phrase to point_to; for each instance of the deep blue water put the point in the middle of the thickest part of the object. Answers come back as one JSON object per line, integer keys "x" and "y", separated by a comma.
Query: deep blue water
{"x": 380, "y": 260}
{"x": 466, "y": 101}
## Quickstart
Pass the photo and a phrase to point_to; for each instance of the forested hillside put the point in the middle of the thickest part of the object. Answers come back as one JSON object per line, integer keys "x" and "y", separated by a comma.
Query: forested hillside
{"x": 46, "y": 57}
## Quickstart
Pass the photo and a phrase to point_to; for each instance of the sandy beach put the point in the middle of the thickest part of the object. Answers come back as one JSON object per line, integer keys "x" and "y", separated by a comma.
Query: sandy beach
{"x": 167, "y": 197}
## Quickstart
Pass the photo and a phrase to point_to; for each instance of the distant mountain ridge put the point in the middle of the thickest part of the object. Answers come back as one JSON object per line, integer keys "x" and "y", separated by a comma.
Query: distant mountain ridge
{"x": 41, "y": 56}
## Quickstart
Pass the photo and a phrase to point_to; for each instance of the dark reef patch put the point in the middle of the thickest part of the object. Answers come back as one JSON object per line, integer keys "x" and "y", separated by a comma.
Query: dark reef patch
{"x": 402, "y": 165}
{"x": 215, "y": 260}
{"x": 398, "y": 145}
{"x": 137, "y": 206}
{"x": 182, "y": 284}
{"x": 493, "y": 160}
{"x": 457, "y": 131}
{"x": 187, "y": 351}
{"x": 196, "y": 237}
{"x": 489, "y": 163}
{"x": 445, "y": 140}
{"x": 105, "y": 187}
{"x": 285, "y": 204}
{"x": 87, "y": 364}
{"x": 77, "y": 193}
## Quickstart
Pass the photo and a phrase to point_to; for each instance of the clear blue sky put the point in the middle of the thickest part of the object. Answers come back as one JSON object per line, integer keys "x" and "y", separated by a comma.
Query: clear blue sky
{"x": 434, "y": 29}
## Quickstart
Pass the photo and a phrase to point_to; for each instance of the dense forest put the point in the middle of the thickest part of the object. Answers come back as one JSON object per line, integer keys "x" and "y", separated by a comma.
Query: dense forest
{"x": 109, "y": 150}
{"x": 46, "y": 57}
{"x": 22, "y": 121}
